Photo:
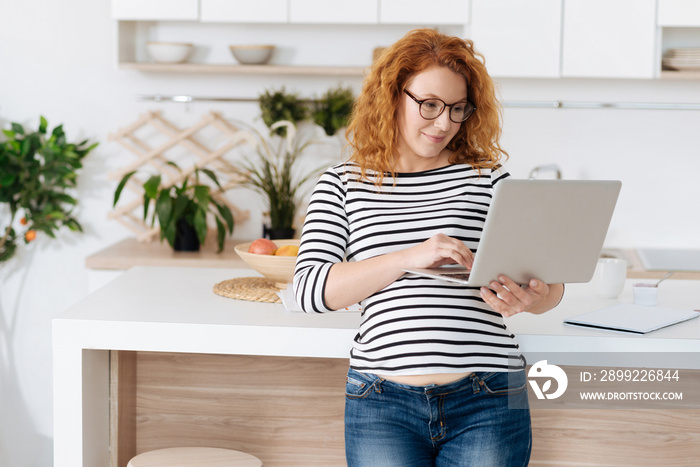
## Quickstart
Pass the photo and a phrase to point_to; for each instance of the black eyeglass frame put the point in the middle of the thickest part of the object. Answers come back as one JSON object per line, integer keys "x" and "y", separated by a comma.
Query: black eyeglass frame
{"x": 444, "y": 106}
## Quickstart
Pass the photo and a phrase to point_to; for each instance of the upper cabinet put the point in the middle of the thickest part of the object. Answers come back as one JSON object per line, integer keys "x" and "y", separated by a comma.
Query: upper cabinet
{"x": 327, "y": 12}
{"x": 415, "y": 12}
{"x": 244, "y": 11}
{"x": 518, "y": 38}
{"x": 609, "y": 39}
{"x": 144, "y": 10}
{"x": 567, "y": 38}
{"x": 679, "y": 13}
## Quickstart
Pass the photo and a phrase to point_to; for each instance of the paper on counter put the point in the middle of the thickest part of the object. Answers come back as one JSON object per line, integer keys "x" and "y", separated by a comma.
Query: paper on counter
{"x": 291, "y": 305}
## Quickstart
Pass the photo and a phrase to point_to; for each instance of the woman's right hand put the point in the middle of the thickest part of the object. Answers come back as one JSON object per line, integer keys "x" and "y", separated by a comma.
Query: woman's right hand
{"x": 439, "y": 250}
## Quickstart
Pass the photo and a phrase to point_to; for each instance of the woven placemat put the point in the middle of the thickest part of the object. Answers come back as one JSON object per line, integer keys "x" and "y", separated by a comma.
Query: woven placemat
{"x": 254, "y": 289}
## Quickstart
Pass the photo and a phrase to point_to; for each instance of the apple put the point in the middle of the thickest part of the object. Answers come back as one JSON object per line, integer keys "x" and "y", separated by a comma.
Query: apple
{"x": 262, "y": 246}
{"x": 287, "y": 250}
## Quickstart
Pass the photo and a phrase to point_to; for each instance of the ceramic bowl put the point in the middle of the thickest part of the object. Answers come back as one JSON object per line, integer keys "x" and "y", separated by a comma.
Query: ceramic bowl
{"x": 252, "y": 54}
{"x": 169, "y": 52}
{"x": 645, "y": 294}
{"x": 276, "y": 268}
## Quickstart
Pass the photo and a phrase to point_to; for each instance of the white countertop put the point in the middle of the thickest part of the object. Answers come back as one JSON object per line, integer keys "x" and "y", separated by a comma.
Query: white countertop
{"x": 175, "y": 309}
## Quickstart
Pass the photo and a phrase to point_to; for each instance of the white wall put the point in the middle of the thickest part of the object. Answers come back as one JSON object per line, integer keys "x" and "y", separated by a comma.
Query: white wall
{"x": 57, "y": 59}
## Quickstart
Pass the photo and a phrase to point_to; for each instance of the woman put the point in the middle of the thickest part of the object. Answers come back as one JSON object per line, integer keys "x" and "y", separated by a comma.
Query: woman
{"x": 433, "y": 368}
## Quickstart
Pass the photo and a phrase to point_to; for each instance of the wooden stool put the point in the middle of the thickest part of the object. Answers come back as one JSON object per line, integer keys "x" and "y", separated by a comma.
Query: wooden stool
{"x": 194, "y": 457}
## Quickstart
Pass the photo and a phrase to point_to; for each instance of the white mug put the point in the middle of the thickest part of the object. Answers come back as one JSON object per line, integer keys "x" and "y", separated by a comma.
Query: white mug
{"x": 609, "y": 277}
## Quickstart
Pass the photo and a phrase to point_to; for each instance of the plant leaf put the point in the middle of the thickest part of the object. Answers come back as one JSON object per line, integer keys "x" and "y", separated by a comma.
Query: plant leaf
{"x": 17, "y": 128}
{"x": 201, "y": 194}
{"x": 226, "y": 215}
{"x": 151, "y": 186}
{"x": 42, "y": 125}
{"x": 164, "y": 210}
{"x": 120, "y": 187}
{"x": 212, "y": 175}
{"x": 200, "y": 225}
{"x": 220, "y": 235}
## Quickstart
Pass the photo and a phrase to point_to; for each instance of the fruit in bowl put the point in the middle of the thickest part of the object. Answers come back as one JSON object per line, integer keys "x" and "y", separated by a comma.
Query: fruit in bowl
{"x": 262, "y": 246}
{"x": 278, "y": 267}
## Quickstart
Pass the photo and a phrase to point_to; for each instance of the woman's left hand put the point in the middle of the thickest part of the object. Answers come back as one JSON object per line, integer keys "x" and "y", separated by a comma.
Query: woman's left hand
{"x": 508, "y": 298}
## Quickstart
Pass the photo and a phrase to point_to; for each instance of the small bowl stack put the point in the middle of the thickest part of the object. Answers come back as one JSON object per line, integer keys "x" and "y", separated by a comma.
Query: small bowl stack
{"x": 279, "y": 269}
{"x": 252, "y": 54}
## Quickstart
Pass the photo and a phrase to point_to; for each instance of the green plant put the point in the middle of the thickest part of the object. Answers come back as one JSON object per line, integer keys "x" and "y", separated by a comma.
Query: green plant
{"x": 189, "y": 202}
{"x": 38, "y": 170}
{"x": 273, "y": 174}
{"x": 282, "y": 106}
{"x": 333, "y": 109}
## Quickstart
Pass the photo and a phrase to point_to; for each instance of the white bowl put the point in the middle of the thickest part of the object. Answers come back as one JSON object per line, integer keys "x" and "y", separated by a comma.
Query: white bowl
{"x": 252, "y": 54}
{"x": 169, "y": 52}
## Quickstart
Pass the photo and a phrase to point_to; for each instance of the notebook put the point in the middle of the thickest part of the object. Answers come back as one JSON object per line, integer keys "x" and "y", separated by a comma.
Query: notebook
{"x": 552, "y": 230}
{"x": 636, "y": 319}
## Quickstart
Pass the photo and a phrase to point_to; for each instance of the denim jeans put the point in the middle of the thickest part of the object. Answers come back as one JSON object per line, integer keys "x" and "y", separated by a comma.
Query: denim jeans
{"x": 464, "y": 423}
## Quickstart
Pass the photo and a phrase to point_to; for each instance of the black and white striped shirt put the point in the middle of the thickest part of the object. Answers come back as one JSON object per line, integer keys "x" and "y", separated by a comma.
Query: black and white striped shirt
{"x": 415, "y": 325}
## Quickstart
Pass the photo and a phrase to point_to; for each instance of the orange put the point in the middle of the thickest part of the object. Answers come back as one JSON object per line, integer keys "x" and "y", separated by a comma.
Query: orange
{"x": 287, "y": 250}
{"x": 30, "y": 235}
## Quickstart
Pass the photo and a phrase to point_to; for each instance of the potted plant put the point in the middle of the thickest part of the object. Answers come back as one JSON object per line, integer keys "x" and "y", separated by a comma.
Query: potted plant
{"x": 280, "y": 105}
{"x": 38, "y": 170}
{"x": 275, "y": 175}
{"x": 182, "y": 210}
{"x": 332, "y": 111}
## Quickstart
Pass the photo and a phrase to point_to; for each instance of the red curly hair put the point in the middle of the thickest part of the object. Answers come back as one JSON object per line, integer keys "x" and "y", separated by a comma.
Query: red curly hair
{"x": 373, "y": 124}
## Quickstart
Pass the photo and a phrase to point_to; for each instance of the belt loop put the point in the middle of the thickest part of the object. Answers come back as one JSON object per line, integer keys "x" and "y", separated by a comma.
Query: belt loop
{"x": 378, "y": 384}
{"x": 475, "y": 383}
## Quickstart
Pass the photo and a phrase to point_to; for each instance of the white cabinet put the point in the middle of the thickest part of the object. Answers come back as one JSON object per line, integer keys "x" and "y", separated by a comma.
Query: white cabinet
{"x": 334, "y": 12}
{"x": 679, "y": 13}
{"x": 609, "y": 39}
{"x": 416, "y": 12}
{"x": 244, "y": 11}
{"x": 518, "y": 38}
{"x": 155, "y": 10}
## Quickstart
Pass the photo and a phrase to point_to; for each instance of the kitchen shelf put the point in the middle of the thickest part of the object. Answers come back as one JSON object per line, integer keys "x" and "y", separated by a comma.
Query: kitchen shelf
{"x": 668, "y": 74}
{"x": 245, "y": 69}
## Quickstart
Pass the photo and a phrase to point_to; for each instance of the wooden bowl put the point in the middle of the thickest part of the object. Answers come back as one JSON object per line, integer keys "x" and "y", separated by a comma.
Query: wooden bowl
{"x": 276, "y": 268}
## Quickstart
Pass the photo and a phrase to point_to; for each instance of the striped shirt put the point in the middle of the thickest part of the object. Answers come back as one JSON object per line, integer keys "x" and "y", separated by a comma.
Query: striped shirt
{"x": 415, "y": 325}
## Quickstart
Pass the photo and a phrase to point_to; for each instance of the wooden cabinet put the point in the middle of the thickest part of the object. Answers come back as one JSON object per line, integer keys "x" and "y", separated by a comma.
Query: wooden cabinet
{"x": 323, "y": 11}
{"x": 155, "y": 10}
{"x": 609, "y": 39}
{"x": 518, "y": 38}
{"x": 415, "y": 12}
{"x": 679, "y": 13}
{"x": 244, "y": 11}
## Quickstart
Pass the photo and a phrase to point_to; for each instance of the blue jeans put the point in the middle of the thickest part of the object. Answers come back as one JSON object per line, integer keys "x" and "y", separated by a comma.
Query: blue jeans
{"x": 464, "y": 423}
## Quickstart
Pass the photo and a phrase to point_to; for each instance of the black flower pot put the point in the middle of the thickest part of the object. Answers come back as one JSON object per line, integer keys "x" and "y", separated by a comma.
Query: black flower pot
{"x": 278, "y": 234}
{"x": 185, "y": 237}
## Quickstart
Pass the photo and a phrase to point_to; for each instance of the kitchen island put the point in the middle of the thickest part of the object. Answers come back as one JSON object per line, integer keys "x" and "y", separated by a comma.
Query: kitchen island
{"x": 155, "y": 359}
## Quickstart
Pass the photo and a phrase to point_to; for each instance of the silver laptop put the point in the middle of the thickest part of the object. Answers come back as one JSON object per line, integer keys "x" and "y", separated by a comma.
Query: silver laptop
{"x": 552, "y": 230}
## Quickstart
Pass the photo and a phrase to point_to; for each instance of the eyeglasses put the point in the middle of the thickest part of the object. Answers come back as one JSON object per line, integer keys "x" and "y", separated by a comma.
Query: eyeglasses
{"x": 432, "y": 108}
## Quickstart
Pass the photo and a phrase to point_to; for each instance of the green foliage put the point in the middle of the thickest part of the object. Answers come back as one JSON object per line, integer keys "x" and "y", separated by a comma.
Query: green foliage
{"x": 37, "y": 172}
{"x": 273, "y": 174}
{"x": 333, "y": 109}
{"x": 190, "y": 201}
{"x": 280, "y": 105}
